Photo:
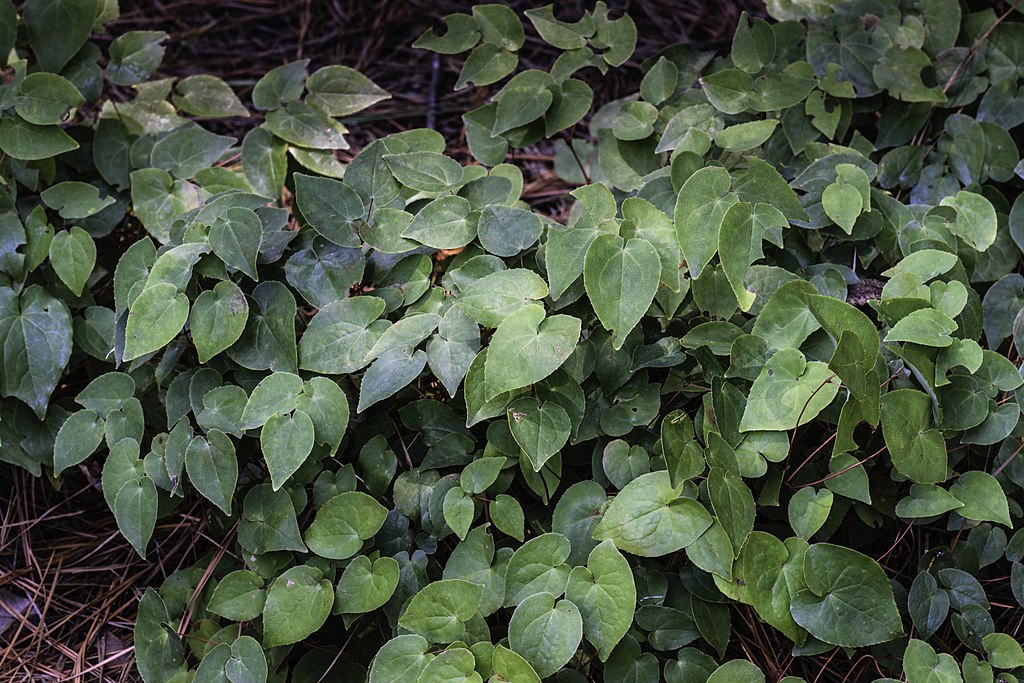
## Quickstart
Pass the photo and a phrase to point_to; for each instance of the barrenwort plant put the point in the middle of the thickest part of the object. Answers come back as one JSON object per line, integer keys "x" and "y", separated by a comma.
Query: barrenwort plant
{"x": 755, "y": 404}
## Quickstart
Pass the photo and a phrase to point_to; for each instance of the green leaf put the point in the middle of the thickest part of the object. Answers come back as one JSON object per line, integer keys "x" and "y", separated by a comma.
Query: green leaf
{"x": 458, "y": 510}
{"x": 280, "y": 85}
{"x": 736, "y": 671}
{"x": 400, "y": 660}
{"x": 189, "y": 149}
{"x": 921, "y": 664}
{"x": 236, "y": 237}
{"x": 773, "y": 573}
{"x": 496, "y": 296}
{"x": 439, "y": 611}
{"x": 444, "y": 223}
{"x": 519, "y": 106}
{"x": 208, "y": 97}
{"x": 217, "y": 319}
{"x": 786, "y": 320}
{"x": 982, "y": 497}
{"x": 343, "y": 523}
{"x": 298, "y": 603}
{"x": 659, "y": 82}
{"x": 264, "y": 161}
{"x": 461, "y": 33}
{"x": 753, "y": 44}
{"x": 499, "y": 25}
{"x": 389, "y": 374}
{"x": 248, "y": 663}
{"x": 975, "y": 220}
{"x": 843, "y": 204}
{"x": 268, "y": 522}
{"x": 45, "y": 99}
{"x": 78, "y": 438}
{"x": 35, "y": 330}
{"x": 332, "y": 208}
{"x": 738, "y": 247}
{"x": 745, "y": 136}
{"x": 899, "y": 72}
{"x": 75, "y": 200}
{"x": 925, "y": 326}
{"x": 58, "y": 28}
{"x": 425, "y": 171}
{"x": 29, "y": 142}
{"x": 274, "y": 395}
{"x": 545, "y": 633}
{"x": 512, "y": 667}
{"x": 327, "y": 406}
{"x": 507, "y": 516}
{"x": 268, "y": 341}
{"x": 1004, "y": 652}
{"x": 486, "y": 64}
{"x": 158, "y": 199}
{"x": 649, "y": 518}
{"x": 135, "y": 509}
{"x": 789, "y": 392}
{"x": 537, "y": 566}
{"x": 73, "y": 256}
{"x": 286, "y": 442}
{"x": 239, "y": 596}
{"x": 364, "y": 585}
{"x": 848, "y": 600}
{"x": 699, "y": 212}
{"x": 212, "y": 468}
{"x": 733, "y": 504}
{"x": 527, "y": 347}
{"x": 340, "y": 336}
{"x": 455, "y": 665}
{"x": 621, "y": 279}
{"x": 606, "y": 596}
{"x": 541, "y": 430}
{"x": 154, "y": 319}
{"x": 918, "y": 450}
{"x": 507, "y": 230}
{"x": 134, "y": 56}
{"x": 158, "y": 651}
{"x": 306, "y": 125}
{"x": 451, "y": 351}
{"x": 808, "y": 510}
{"x": 341, "y": 91}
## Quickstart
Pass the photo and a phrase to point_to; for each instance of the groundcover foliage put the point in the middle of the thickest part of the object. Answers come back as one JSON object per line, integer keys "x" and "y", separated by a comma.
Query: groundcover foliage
{"x": 451, "y": 439}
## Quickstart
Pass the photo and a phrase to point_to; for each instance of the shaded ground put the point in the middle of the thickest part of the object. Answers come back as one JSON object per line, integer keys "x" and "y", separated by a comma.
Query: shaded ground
{"x": 67, "y": 575}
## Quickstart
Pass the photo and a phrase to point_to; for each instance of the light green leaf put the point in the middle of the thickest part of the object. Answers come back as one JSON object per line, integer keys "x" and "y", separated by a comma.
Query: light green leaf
{"x": 343, "y": 523}
{"x": 1004, "y": 652}
{"x": 77, "y": 439}
{"x": 306, "y": 125}
{"x": 537, "y": 566}
{"x": 154, "y": 319}
{"x": 439, "y": 611}
{"x": 606, "y": 596}
{"x": 239, "y": 596}
{"x": 982, "y": 497}
{"x": 527, "y": 347}
{"x": 788, "y": 392}
{"x": 208, "y": 97}
{"x": 298, "y": 603}
{"x": 848, "y": 600}
{"x": 745, "y": 136}
{"x": 494, "y": 297}
{"x": 29, "y": 142}
{"x": 445, "y": 223}
{"x": 341, "y": 91}
{"x": 135, "y": 509}
{"x": 541, "y": 430}
{"x": 35, "y": 331}
{"x": 135, "y": 55}
{"x": 236, "y": 238}
{"x": 975, "y": 220}
{"x": 340, "y": 336}
{"x": 45, "y": 99}
{"x": 400, "y": 660}
{"x": 217, "y": 319}
{"x": 286, "y": 442}
{"x": 918, "y": 450}
{"x": 808, "y": 510}
{"x": 649, "y": 518}
{"x": 389, "y": 374}
{"x": 248, "y": 663}
{"x": 364, "y": 585}
{"x": 73, "y": 256}
{"x": 212, "y": 468}
{"x": 545, "y": 633}
{"x": 699, "y": 212}
{"x": 621, "y": 279}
